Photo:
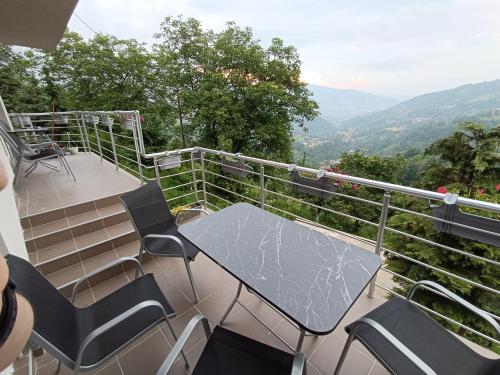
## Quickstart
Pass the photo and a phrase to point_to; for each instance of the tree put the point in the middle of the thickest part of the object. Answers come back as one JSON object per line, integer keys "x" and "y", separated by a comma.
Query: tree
{"x": 465, "y": 158}
{"x": 468, "y": 161}
{"x": 19, "y": 86}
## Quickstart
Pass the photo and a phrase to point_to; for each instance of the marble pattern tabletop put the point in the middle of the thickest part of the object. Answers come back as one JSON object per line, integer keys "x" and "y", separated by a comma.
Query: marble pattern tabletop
{"x": 310, "y": 277}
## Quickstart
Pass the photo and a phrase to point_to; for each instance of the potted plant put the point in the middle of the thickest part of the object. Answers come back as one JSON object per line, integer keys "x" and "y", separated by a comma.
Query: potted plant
{"x": 107, "y": 121}
{"x": 22, "y": 121}
{"x": 61, "y": 119}
{"x": 71, "y": 148}
{"x": 127, "y": 121}
{"x": 169, "y": 161}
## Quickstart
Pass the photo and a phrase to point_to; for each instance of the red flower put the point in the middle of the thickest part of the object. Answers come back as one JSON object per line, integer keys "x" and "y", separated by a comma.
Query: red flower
{"x": 142, "y": 118}
{"x": 481, "y": 191}
{"x": 442, "y": 190}
{"x": 355, "y": 186}
{"x": 497, "y": 188}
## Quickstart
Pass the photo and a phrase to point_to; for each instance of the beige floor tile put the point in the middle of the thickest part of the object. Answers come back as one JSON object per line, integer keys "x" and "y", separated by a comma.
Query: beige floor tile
{"x": 91, "y": 239}
{"x": 101, "y": 290}
{"x": 56, "y": 250}
{"x": 83, "y": 218}
{"x": 119, "y": 229}
{"x": 146, "y": 357}
{"x": 66, "y": 275}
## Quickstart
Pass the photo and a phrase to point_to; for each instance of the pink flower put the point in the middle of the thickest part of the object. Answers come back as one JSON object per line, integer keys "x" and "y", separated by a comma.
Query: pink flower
{"x": 497, "y": 188}
{"x": 481, "y": 191}
{"x": 142, "y": 118}
{"x": 355, "y": 186}
{"x": 442, "y": 190}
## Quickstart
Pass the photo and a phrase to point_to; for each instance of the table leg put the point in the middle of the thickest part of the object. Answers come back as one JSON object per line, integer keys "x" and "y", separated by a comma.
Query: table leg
{"x": 301, "y": 340}
{"x": 231, "y": 305}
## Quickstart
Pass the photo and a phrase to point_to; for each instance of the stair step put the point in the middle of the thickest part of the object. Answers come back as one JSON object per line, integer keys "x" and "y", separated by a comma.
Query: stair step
{"x": 69, "y": 252}
{"x": 48, "y": 217}
{"x": 65, "y": 279}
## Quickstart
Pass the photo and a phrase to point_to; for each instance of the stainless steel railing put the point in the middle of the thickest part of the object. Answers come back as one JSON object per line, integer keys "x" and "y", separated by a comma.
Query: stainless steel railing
{"x": 194, "y": 176}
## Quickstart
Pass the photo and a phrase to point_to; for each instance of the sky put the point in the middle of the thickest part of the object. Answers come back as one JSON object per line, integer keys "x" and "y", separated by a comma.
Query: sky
{"x": 395, "y": 48}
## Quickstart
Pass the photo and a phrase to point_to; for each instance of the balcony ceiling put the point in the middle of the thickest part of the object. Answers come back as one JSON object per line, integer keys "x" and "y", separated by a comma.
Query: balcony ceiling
{"x": 34, "y": 23}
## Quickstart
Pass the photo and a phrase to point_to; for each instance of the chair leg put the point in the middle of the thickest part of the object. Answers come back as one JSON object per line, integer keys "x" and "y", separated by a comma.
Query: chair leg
{"x": 175, "y": 338}
{"x": 231, "y": 305}
{"x": 350, "y": 339}
{"x": 58, "y": 369}
{"x": 30, "y": 169}
{"x": 68, "y": 168}
{"x": 190, "y": 275}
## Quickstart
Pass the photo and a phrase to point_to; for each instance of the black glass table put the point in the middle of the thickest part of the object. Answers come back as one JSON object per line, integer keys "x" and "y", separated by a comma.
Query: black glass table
{"x": 309, "y": 277}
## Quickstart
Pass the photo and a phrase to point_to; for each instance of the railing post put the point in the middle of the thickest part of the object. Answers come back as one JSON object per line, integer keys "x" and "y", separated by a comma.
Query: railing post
{"x": 203, "y": 180}
{"x": 157, "y": 171}
{"x": 135, "y": 131}
{"x": 380, "y": 237}
{"x": 82, "y": 118}
{"x": 262, "y": 188}
{"x": 97, "y": 136}
{"x": 113, "y": 146}
{"x": 81, "y": 132}
{"x": 193, "y": 172}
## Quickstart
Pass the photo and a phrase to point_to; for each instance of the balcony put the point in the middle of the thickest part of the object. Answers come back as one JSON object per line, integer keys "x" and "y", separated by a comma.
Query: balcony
{"x": 72, "y": 228}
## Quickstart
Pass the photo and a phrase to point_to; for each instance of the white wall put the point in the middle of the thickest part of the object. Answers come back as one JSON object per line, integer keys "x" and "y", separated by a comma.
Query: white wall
{"x": 12, "y": 240}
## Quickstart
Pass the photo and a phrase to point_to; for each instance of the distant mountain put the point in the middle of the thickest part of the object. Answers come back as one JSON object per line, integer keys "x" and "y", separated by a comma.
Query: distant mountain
{"x": 414, "y": 123}
{"x": 342, "y": 104}
{"x": 339, "y": 105}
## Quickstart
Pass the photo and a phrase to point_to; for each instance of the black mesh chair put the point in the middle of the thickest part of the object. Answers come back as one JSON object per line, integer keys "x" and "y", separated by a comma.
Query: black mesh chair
{"x": 84, "y": 338}
{"x": 32, "y": 153}
{"x": 407, "y": 341}
{"x": 229, "y": 353}
{"x": 157, "y": 227}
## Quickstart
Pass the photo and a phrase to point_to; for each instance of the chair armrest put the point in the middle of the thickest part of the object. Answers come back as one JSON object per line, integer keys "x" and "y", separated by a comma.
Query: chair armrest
{"x": 181, "y": 341}
{"x": 165, "y": 236}
{"x": 103, "y": 268}
{"x": 449, "y": 294}
{"x": 394, "y": 342}
{"x": 299, "y": 364}
{"x": 202, "y": 210}
{"x": 112, "y": 323}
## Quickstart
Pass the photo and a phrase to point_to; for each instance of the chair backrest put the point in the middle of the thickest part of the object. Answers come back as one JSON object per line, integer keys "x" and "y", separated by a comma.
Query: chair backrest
{"x": 11, "y": 142}
{"x": 148, "y": 209}
{"x": 55, "y": 316}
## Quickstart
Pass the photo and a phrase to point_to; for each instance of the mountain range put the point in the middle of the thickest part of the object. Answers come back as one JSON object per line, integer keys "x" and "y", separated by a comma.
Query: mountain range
{"x": 353, "y": 120}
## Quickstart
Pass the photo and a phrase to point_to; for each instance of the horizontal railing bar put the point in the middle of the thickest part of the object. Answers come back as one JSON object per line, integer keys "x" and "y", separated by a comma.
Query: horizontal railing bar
{"x": 232, "y": 192}
{"x": 126, "y": 167}
{"x": 441, "y": 315}
{"x": 180, "y": 196}
{"x": 323, "y": 208}
{"x": 325, "y": 191}
{"x": 364, "y": 181}
{"x": 123, "y": 136}
{"x": 216, "y": 196}
{"x": 127, "y": 158}
{"x": 232, "y": 179}
{"x": 444, "y": 220}
{"x": 175, "y": 174}
{"x": 178, "y": 186}
{"x": 445, "y": 247}
{"x": 476, "y": 284}
{"x": 124, "y": 147}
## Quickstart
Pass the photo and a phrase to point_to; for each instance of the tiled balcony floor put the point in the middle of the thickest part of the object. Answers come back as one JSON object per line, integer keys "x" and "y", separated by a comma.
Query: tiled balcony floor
{"x": 45, "y": 190}
{"x": 216, "y": 289}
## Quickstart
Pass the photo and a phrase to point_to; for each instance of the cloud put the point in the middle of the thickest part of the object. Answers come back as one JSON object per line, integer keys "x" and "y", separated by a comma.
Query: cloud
{"x": 399, "y": 47}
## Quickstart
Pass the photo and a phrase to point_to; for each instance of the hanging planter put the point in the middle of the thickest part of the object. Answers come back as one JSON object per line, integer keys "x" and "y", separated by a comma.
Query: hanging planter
{"x": 107, "y": 121}
{"x": 237, "y": 168}
{"x": 22, "y": 121}
{"x": 169, "y": 162}
{"x": 310, "y": 186}
{"x": 127, "y": 122}
{"x": 61, "y": 119}
{"x": 451, "y": 212}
